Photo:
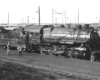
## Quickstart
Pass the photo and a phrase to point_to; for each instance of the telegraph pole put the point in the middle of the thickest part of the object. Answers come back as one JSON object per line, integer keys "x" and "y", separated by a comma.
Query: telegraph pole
{"x": 78, "y": 16}
{"x": 58, "y": 13}
{"x": 28, "y": 19}
{"x": 8, "y": 17}
{"x": 39, "y": 13}
{"x": 52, "y": 16}
{"x": 65, "y": 16}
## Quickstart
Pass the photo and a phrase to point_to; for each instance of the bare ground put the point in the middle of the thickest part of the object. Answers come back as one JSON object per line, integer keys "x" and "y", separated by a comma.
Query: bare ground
{"x": 12, "y": 71}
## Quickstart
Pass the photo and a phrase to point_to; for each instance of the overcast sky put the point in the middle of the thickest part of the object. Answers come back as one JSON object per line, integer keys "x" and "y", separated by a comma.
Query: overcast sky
{"x": 89, "y": 11}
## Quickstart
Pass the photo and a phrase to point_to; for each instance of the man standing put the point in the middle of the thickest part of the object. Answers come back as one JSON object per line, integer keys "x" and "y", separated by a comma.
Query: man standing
{"x": 8, "y": 49}
{"x": 19, "y": 48}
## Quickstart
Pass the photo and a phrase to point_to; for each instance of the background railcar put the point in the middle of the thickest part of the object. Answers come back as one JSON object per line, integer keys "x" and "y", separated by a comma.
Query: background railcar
{"x": 13, "y": 36}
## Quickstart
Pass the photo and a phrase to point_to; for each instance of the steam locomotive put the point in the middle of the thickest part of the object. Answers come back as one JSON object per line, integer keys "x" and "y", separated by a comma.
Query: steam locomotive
{"x": 68, "y": 42}
{"x": 76, "y": 42}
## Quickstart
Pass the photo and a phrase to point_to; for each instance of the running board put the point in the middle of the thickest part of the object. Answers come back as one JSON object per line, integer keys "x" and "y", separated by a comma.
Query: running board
{"x": 57, "y": 52}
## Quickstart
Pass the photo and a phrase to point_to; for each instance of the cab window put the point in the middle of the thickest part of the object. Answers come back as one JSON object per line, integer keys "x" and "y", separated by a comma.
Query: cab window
{"x": 36, "y": 34}
{"x": 31, "y": 34}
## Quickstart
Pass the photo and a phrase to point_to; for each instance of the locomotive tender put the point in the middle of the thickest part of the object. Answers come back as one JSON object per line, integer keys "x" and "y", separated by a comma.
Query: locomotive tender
{"x": 68, "y": 42}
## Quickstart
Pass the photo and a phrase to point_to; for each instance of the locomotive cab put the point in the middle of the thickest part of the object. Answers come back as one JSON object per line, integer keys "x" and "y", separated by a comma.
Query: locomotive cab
{"x": 34, "y": 36}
